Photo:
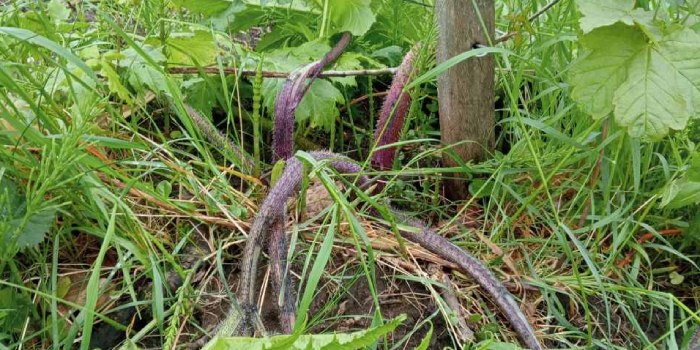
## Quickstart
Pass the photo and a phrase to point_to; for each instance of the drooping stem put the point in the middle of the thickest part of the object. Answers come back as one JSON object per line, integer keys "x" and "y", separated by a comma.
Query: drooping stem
{"x": 390, "y": 123}
{"x": 443, "y": 248}
{"x": 289, "y": 97}
{"x": 282, "y": 285}
{"x": 393, "y": 113}
{"x": 270, "y": 221}
{"x": 287, "y": 186}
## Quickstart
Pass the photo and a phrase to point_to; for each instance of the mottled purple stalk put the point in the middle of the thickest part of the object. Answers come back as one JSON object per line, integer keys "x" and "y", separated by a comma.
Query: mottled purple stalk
{"x": 443, "y": 248}
{"x": 273, "y": 209}
{"x": 282, "y": 286}
{"x": 393, "y": 113}
{"x": 391, "y": 119}
{"x": 271, "y": 217}
{"x": 289, "y": 97}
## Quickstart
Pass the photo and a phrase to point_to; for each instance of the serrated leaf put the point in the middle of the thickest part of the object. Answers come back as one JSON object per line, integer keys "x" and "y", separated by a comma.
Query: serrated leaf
{"x": 355, "y": 16}
{"x": 347, "y": 61}
{"x": 145, "y": 75}
{"x": 650, "y": 101}
{"x": 596, "y": 75}
{"x": 114, "y": 82}
{"x": 320, "y": 104}
{"x": 681, "y": 49}
{"x": 129, "y": 57}
{"x": 338, "y": 341}
{"x": 391, "y": 54}
{"x": 601, "y": 13}
{"x": 652, "y": 86}
{"x": 23, "y": 229}
{"x": 35, "y": 228}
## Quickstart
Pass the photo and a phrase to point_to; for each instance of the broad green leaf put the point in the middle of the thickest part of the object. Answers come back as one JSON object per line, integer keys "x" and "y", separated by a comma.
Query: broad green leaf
{"x": 36, "y": 226}
{"x": 354, "y": 16}
{"x": 164, "y": 188}
{"x": 495, "y": 345}
{"x": 114, "y": 82}
{"x": 21, "y": 228}
{"x": 652, "y": 86}
{"x": 338, "y": 341}
{"x": 651, "y": 101}
{"x": 347, "y": 61}
{"x": 693, "y": 173}
{"x": 596, "y": 75}
{"x": 130, "y": 56}
{"x": 190, "y": 49}
{"x": 14, "y": 309}
{"x": 601, "y": 13}
{"x": 296, "y": 5}
{"x": 58, "y": 11}
{"x": 143, "y": 75}
{"x": 682, "y": 193}
{"x": 320, "y": 104}
{"x": 681, "y": 50}
{"x": 390, "y": 54}
{"x": 205, "y": 7}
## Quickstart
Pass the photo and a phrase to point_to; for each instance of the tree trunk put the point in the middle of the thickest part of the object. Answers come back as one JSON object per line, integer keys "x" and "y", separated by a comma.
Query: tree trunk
{"x": 466, "y": 90}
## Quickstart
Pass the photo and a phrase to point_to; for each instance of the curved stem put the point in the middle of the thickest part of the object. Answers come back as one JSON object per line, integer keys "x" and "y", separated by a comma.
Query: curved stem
{"x": 289, "y": 97}
{"x": 288, "y": 184}
{"x": 270, "y": 221}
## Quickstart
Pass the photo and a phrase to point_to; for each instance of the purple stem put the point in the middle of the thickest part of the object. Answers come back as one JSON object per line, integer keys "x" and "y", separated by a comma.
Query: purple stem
{"x": 393, "y": 113}
{"x": 273, "y": 208}
{"x": 290, "y": 96}
{"x": 445, "y": 249}
{"x": 391, "y": 119}
{"x": 272, "y": 216}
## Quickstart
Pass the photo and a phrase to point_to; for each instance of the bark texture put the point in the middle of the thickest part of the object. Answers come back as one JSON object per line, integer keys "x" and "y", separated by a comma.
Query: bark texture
{"x": 466, "y": 90}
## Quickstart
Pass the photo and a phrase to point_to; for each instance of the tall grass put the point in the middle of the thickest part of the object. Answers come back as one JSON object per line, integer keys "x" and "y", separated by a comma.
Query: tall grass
{"x": 132, "y": 219}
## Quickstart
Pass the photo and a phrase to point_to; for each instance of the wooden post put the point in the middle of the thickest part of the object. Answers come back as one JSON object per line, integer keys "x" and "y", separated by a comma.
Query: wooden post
{"x": 465, "y": 91}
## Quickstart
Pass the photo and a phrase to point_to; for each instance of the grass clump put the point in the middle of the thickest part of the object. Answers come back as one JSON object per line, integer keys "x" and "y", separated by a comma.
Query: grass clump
{"x": 123, "y": 225}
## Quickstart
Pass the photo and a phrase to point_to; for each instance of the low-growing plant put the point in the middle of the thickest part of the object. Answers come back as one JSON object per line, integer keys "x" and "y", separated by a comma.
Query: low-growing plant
{"x": 269, "y": 222}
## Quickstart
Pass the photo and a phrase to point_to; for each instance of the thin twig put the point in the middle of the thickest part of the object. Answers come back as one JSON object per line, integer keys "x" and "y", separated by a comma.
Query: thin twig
{"x": 362, "y": 98}
{"x": 532, "y": 18}
{"x": 272, "y": 74}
